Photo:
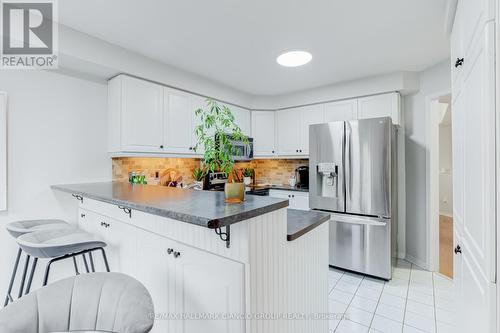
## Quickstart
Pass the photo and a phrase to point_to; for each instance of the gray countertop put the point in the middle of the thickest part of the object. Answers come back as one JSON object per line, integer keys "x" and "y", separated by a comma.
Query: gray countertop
{"x": 203, "y": 208}
{"x": 301, "y": 222}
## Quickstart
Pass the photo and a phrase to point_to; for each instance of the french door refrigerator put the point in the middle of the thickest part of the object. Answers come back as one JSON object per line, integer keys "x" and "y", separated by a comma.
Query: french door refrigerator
{"x": 352, "y": 174}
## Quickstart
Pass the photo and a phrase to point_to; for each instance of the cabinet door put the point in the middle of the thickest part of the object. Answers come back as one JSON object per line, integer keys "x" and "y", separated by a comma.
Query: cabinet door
{"x": 386, "y": 105}
{"x": 263, "y": 133}
{"x": 342, "y": 110}
{"x": 309, "y": 115}
{"x": 456, "y": 45}
{"x": 142, "y": 115}
{"x": 209, "y": 284}
{"x": 287, "y": 126}
{"x": 119, "y": 237}
{"x": 242, "y": 118}
{"x": 178, "y": 122}
{"x": 197, "y": 102}
{"x": 156, "y": 271}
{"x": 477, "y": 114}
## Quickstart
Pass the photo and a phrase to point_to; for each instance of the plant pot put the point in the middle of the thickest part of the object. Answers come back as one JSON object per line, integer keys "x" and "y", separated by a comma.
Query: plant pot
{"x": 247, "y": 180}
{"x": 234, "y": 192}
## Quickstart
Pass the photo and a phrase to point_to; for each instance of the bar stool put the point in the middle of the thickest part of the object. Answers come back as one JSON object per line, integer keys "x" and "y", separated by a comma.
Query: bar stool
{"x": 19, "y": 228}
{"x": 60, "y": 244}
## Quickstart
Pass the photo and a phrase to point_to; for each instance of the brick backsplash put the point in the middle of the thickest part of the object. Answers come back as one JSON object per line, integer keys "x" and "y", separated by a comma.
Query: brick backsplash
{"x": 275, "y": 171}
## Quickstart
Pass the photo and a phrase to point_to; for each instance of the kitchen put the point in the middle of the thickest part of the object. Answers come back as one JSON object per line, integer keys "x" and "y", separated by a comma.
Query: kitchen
{"x": 336, "y": 167}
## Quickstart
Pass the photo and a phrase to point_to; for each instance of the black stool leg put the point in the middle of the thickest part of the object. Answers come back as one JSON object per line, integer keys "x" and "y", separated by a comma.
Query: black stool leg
{"x": 23, "y": 278}
{"x": 91, "y": 262}
{"x": 47, "y": 270}
{"x": 12, "y": 278}
{"x": 105, "y": 258}
{"x": 85, "y": 263}
{"x": 30, "y": 279}
{"x": 76, "y": 266}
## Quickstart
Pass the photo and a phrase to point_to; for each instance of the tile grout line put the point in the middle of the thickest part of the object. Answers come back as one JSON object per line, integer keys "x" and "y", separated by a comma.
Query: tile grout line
{"x": 406, "y": 299}
{"x": 348, "y": 305}
{"x": 338, "y": 280}
{"x": 376, "y": 307}
{"x": 434, "y": 302}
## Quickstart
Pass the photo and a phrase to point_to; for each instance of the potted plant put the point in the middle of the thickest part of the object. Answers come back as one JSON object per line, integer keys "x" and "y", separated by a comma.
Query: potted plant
{"x": 247, "y": 176}
{"x": 214, "y": 133}
{"x": 199, "y": 176}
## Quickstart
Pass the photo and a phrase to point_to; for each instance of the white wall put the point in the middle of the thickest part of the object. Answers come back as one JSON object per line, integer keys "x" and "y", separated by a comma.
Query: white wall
{"x": 445, "y": 171}
{"x": 432, "y": 81}
{"x": 92, "y": 56}
{"x": 56, "y": 134}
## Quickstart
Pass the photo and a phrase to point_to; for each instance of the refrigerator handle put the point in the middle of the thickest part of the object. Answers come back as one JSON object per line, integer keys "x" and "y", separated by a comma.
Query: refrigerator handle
{"x": 347, "y": 161}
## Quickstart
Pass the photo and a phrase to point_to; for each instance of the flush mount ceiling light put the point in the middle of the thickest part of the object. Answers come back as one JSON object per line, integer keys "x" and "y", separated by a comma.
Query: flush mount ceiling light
{"x": 294, "y": 58}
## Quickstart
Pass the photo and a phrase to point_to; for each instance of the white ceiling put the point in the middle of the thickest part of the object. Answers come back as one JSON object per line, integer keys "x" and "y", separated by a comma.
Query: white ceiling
{"x": 236, "y": 42}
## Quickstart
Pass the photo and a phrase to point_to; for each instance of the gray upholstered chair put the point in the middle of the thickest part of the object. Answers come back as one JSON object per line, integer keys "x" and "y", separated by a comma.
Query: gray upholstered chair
{"x": 94, "y": 302}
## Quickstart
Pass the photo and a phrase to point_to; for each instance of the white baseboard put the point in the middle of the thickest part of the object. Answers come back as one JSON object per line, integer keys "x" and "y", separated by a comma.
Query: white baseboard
{"x": 418, "y": 262}
{"x": 446, "y": 214}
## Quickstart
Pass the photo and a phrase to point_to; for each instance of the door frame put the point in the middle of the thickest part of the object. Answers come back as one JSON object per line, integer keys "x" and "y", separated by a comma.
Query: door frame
{"x": 432, "y": 181}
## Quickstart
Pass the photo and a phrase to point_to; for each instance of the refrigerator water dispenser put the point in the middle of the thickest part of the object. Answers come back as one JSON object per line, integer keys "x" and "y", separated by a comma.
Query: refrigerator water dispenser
{"x": 328, "y": 179}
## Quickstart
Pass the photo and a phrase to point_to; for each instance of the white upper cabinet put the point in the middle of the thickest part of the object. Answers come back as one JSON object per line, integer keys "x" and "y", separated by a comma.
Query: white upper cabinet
{"x": 287, "y": 126}
{"x": 178, "y": 122}
{"x": 135, "y": 115}
{"x": 242, "y": 118}
{"x": 386, "y": 105}
{"x": 263, "y": 133}
{"x": 341, "y": 110}
{"x": 309, "y": 115}
{"x": 292, "y": 127}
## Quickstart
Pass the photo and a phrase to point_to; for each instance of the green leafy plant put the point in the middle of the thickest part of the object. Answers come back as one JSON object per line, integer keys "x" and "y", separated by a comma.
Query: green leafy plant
{"x": 247, "y": 172}
{"x": 214, "y": 133}
{"x": 199, "y": 174}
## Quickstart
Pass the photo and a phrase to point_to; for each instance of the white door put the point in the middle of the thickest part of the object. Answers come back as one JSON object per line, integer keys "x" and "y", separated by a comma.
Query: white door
{"x": 386, "y": 105}
{"x": 263, "y": 133}
{"x": 209, "y": 284}
{"x": 178, "y": 122}
{"x": 142, "y": 115}
{"x": 288, "y": 135}
{"x": 476, "y": 117}
{"x": 342, "y": 110}
{"x": 309, "y": 115}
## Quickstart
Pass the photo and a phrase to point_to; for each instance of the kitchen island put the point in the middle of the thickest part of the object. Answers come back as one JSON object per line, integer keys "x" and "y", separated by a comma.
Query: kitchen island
{"x": 212, "y": 266}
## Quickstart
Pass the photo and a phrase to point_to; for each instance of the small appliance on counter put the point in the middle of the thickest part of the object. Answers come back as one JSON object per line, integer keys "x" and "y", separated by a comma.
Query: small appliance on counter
{"x": 302, "y": 177}
{"x": 215, "y": 181}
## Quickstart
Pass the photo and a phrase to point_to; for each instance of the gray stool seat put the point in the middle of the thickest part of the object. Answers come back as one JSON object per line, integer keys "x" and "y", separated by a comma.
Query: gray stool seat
{"x": 58, "y": 242}
{"x": 95, "y": 302}
{"x": 19, "y": 228}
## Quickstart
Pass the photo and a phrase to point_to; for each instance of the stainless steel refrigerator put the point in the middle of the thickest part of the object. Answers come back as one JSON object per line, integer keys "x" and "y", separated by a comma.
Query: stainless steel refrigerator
{"x": 352, "y": 174}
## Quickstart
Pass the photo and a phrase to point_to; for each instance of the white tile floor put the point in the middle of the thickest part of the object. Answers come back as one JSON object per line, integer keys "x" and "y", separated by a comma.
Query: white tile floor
{"x": 414, "y": 301}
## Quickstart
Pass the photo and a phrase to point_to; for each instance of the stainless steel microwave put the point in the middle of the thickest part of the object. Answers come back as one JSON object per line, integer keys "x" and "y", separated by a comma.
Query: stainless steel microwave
{"x": 242, "y": 151}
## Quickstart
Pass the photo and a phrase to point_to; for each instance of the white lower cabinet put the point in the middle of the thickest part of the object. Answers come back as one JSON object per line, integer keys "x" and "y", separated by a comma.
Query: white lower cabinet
{"x": 209, "y": 286}
{"x": 192, "y": 290}
{"x": 296, "y": 199}
{"x": 119, "y": 237}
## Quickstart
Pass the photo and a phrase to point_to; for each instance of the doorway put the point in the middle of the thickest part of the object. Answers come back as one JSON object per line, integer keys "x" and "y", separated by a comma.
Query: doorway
{"x": 440, "y": 184}
{"x": 445, "y": 189}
